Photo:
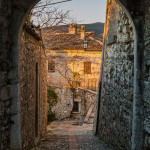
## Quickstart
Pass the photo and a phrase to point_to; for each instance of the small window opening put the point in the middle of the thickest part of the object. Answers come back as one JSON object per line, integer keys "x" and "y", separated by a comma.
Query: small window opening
{"x": 76, "y": 107}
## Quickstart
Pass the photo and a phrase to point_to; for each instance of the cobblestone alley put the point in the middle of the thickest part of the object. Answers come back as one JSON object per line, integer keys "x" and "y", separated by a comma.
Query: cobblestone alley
{"x": 70, "y": 135}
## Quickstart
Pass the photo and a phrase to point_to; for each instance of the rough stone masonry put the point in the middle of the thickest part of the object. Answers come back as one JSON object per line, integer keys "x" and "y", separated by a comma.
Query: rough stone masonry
{"x": 12, "y": 16}
{"x": 115, "y": 124}
{"x": 32, "y": 86}
{"x": 63, "y": 109}
{"x": 117, "y": 84}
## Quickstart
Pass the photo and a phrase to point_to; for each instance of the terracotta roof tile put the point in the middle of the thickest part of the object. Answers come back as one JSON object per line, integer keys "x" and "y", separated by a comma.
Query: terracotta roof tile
{"x": 66, "y": 41}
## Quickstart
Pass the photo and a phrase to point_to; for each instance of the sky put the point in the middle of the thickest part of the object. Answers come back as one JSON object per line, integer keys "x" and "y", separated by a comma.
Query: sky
{"x": 86, "y": 11}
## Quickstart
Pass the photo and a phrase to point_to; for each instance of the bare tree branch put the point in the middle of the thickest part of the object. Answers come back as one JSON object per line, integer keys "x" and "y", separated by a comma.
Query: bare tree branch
{"x": 52, "y": 4}
{"x": 45, "y": 14}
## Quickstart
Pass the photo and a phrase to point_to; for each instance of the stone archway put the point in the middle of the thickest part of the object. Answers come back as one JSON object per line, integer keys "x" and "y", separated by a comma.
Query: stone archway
{"x": 15, "y": 20}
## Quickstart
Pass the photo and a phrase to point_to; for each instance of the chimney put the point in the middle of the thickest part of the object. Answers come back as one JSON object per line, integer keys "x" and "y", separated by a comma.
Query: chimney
{"x": 82, "y": 32}
{"x": 72, "y": 28}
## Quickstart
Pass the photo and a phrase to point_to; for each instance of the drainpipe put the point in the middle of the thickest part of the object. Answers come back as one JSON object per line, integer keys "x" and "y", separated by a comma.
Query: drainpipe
{"x": 101, "y": 71}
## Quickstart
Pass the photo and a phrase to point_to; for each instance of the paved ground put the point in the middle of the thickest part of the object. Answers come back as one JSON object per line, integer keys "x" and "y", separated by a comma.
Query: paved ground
{"x": 70, "y": 135}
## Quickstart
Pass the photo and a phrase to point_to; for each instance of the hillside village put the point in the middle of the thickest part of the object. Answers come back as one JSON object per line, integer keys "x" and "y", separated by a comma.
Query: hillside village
{"x": 75, "y": 86}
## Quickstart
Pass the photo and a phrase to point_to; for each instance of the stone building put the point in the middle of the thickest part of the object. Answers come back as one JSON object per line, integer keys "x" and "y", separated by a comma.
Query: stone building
{"x": 83, "y": 101}
{"x": 71, "y": 66}
{"x": 117, "y": 79}
{"x": 117, "y": 82}
{"x": 12, "y": 16}
{"x": 32, "y": 86}
{"x": 66, "y": 55}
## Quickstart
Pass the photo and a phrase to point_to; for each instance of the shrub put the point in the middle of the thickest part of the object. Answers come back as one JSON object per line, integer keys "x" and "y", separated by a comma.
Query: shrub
{"x": 52, "y": 99}
{"x": 50, "y": 116}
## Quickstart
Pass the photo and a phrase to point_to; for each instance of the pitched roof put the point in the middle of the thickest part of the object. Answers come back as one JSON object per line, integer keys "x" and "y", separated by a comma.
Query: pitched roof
{"x": 65, "y": 41}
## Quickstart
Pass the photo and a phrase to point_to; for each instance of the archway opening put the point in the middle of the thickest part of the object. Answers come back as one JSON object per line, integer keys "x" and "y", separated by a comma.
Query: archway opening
{"x": 111, "y": 44}
{"x": 72, "y": 71}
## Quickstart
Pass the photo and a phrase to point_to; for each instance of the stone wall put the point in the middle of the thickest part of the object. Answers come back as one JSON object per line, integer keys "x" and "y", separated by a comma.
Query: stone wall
{"x": 115, "y": 121}
{"x": 147, "y": 78}
{"x": 32, "y": 78}
{"x": 5, "y": 48}
{"x": 8, "y": 72}
{"x": 63, "y": 109}
{"x": 89, "y": 99}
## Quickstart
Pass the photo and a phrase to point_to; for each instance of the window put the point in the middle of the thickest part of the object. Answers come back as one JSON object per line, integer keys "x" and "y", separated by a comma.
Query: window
{"x": 51, "y": 66}
{"x": 87, "y": 67}
{"x": 75, "y": 107}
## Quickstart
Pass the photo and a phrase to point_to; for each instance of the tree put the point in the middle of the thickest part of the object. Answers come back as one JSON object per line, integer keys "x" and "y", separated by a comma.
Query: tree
{"x": 47, "y": 14}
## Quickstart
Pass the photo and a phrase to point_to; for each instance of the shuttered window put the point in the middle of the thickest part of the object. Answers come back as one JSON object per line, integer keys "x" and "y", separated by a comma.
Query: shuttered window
{"x": 87, "y": 67}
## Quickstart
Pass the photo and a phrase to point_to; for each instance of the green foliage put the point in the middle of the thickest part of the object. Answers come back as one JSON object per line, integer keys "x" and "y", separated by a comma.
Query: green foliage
{"x": 28, "y": 18}
{"x": 50, "y": 116}
{"x": 52, "y": 99}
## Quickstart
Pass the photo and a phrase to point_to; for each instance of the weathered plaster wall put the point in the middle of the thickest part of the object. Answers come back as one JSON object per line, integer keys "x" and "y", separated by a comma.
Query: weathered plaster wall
{"x": 32, "y": 52}
{"x": 5, "y": 47}
{"x": 147, "y": 77}
{"x": 115, "y": 122}
{"x": 68, "y": 61}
